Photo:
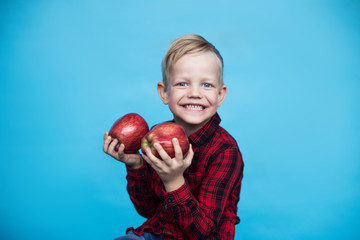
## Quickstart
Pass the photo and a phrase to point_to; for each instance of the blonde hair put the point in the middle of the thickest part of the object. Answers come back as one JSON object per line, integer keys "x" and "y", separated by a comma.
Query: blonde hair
{"x": 186, "y": 45}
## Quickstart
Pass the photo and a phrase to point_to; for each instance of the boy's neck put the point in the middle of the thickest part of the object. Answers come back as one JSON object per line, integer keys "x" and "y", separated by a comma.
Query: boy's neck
{"x": 190, "y": 128}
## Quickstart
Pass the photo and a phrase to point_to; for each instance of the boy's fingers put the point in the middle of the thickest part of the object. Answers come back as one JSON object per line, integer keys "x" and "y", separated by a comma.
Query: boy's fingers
{"x": 189, "y": 157}
{"x": 149, "y": 154}
{"x": 177, "y": 148}
{"x": 120, "y": 152}
{"x": 149, "y": 161}
{"x": 112, "y": 146}
{"x": 106, "y": 144}
{"x": 154, "y": 160}
{"x": 121, "y": 149}
{"x": 106, "y": 135}
{"x": 163, "y": 154}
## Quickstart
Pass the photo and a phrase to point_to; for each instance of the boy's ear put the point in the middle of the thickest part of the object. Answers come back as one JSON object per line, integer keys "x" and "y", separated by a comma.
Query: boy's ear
{"x": 162, "y": 92}
{"x": 222, "y": 94}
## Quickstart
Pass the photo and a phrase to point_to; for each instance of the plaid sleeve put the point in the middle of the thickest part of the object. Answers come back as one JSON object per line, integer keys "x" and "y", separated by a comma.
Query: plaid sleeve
{"x": 198, "y": 217}
{"x": 141, "y": 191}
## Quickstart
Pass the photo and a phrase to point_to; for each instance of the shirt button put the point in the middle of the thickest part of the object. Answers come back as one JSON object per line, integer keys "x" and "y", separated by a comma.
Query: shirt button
{"x": 166, "y": 206}
{"x": 169, "y": 200}
{"x": 142, "y": 175}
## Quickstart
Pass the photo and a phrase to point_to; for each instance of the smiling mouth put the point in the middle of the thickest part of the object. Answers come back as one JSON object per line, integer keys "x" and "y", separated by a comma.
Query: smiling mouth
{"x": 194, "y": 107}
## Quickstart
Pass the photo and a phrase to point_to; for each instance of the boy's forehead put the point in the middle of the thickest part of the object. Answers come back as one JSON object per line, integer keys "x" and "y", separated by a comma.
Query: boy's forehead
{"x": 192, "y": 67}
{"x": 197, "y": 61}
{"x": 205, "y": 54}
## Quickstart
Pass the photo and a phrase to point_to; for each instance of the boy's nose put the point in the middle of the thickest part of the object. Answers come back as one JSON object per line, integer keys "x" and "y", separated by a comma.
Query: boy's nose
{"x": 194, "y": 92}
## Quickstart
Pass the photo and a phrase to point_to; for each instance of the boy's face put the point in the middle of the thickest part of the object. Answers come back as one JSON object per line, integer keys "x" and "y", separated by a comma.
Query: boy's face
{"x": 194, "y": 92}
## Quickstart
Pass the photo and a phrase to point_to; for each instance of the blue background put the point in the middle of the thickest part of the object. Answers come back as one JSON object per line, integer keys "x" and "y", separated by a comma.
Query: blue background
{"x": 69, "y": 69}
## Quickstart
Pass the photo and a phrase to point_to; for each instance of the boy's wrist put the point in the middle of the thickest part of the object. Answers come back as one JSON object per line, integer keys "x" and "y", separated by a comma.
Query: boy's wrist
{"x": 174, "y": 184}
{"x": 136, "y": 165}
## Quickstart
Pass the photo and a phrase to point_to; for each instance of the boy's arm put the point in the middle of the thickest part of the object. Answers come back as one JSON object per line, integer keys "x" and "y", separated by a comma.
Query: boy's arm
{"x": 141, "y": 191}
{"x": 139, "y": 188}
{"x": 198, "y": 218}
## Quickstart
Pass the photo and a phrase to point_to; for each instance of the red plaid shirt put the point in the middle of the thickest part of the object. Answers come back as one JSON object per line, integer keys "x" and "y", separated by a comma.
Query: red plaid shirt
{"x": 205, "y": 207}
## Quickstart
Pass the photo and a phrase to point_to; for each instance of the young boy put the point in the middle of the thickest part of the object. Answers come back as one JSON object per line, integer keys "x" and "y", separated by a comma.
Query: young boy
{"x": 193, "y": 196}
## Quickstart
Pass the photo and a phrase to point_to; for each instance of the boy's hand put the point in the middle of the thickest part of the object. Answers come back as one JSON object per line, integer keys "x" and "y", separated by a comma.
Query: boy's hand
{"x": 170, "y": 170}
{"x": 131, "y": 160}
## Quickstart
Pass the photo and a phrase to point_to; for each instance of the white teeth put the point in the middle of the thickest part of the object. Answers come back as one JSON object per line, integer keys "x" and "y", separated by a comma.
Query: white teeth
{"x": 194, "y": 107}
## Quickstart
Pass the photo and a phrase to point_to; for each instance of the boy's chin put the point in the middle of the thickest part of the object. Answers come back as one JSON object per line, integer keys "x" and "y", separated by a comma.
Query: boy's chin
{"x": 191, "y": 121}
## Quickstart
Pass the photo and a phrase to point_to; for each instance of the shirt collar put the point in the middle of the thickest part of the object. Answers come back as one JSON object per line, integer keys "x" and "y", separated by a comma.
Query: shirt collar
{"x": 203, "y": 134}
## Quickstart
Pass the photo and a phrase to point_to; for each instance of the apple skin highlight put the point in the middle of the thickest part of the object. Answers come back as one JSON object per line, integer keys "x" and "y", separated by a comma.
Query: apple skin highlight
{"x": 163, "y": 134}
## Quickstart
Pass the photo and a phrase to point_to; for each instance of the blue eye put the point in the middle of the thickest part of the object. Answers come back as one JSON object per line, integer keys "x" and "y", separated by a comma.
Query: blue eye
{"x": 207, "y": 85}
{"x": 181, "y": 84}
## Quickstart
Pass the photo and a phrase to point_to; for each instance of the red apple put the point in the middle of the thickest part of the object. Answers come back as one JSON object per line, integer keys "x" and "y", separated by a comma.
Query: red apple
{"x": 129, "y": 130}
{"x": 163, "y": 133}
